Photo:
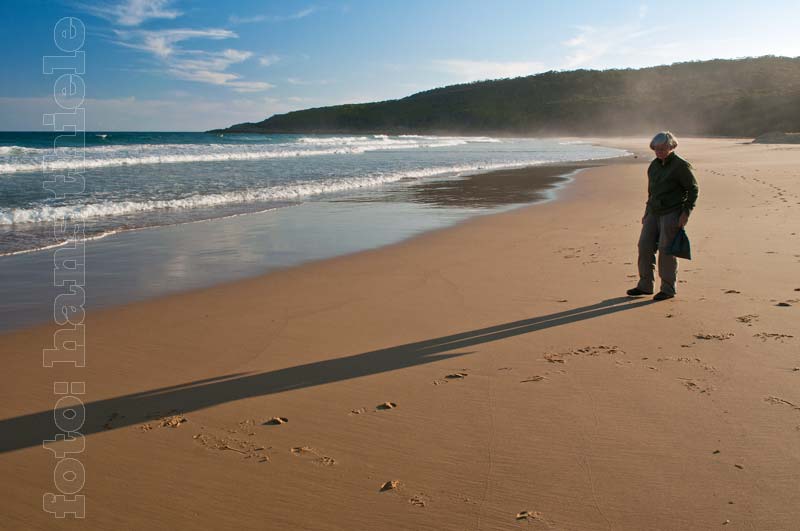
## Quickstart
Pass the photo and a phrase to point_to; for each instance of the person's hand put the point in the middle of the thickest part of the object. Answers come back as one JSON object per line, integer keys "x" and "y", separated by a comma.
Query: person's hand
{"x": 683, "y": 220}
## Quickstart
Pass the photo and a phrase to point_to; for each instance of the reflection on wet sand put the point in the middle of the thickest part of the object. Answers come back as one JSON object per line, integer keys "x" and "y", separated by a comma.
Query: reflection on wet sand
{"x": 485, "y": 190}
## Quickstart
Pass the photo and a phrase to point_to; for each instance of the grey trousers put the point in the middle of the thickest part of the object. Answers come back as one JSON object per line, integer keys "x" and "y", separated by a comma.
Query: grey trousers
{"x": 657, "y": 234}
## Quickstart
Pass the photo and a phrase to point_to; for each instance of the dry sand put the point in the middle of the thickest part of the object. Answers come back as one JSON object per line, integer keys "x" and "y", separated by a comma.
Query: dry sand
{"x": 485, "y": 376}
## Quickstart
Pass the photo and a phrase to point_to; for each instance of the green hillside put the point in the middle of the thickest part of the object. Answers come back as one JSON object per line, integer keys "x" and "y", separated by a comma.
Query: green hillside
{"x": 742, "y": 97}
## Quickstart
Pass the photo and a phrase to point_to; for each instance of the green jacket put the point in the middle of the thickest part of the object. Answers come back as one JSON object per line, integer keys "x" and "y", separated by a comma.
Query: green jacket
{"x": 671, "y": 186}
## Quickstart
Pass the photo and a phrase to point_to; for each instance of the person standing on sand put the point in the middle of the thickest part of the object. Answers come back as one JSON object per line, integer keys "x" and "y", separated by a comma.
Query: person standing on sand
{"x": 671, "y": 196}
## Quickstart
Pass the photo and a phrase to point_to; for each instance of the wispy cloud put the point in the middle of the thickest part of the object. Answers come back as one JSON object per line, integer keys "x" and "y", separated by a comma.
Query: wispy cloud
{"x": 468, "y": 70}
{"x": 132, "y": 12}
{"x": 235, "y": 19}
{"x": 302, "y": 13}
{"x": 194, "y": 65}
{"x": 161, "y": 43}
{"x": 592, "y": 44}
{"x": 211, "y": 67}
{"x": 298, "y": 81}
{"x": 268, "y": 60}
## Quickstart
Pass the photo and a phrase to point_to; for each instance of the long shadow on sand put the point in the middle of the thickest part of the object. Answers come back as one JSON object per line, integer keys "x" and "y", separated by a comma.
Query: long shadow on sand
{"x": 30, "y": 430}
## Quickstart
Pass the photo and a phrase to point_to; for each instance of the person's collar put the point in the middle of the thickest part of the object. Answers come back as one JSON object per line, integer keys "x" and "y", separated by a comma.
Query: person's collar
{"x": 669, "y": 158}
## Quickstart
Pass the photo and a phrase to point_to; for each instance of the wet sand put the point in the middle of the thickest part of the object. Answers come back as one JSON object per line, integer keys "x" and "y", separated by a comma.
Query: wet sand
{"x": 485, "y": 376}
{"x": 153, "y": 262}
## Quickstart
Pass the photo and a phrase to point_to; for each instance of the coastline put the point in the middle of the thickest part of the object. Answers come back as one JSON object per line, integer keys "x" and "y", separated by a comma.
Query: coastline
{"x": 574, "y": 403}
{"x": 150, "y": 262}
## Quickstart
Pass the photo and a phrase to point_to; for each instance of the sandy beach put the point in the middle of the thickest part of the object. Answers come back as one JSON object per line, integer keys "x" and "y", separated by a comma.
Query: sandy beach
{"x": 494, "y": 370}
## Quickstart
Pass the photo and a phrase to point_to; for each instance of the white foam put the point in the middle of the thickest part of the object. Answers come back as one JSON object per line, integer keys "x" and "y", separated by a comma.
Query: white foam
{"x": 14, "y": 159}
{"x": 14, "y": 150}
{"x": 296, "y": 191}
{"x": 465, "y": 139}
{"x": 98, "y": 236}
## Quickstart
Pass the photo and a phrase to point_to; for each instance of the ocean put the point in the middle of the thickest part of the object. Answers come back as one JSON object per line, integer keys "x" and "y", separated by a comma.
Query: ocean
{"x": 169, "y": 212}
{"x": 135, "y": 180}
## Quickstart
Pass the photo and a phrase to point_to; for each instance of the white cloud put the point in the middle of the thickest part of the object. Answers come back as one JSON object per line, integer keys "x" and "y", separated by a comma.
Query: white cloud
{"x": 268, "y": 60}
{"x": 235, "y": 19}
{"x": 132, "y": 12}
{"x": 298, "y": 81}
{"x": 250, "y": 86}
{"x": 467, "y": 70}
{"x": 179, "y": 62}
{"x": 194, "y": 65}
{"x": 161, "y": 42}
{"x": 303, "y": 13}
{"x": 603, "y": 47}
{"x": 211, "y": 67}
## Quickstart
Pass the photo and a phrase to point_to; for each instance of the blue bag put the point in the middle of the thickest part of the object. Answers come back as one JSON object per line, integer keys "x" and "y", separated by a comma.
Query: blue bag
{"x": 680, "y": 246}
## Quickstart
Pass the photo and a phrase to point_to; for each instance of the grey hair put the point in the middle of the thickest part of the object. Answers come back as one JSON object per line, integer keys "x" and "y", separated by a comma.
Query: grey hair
{"x": 662, "y": 138}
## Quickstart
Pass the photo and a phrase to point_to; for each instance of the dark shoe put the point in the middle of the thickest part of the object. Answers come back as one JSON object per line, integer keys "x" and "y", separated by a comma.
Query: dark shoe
{"x": 661, "y": 296}
{"x": 635, "y": 292}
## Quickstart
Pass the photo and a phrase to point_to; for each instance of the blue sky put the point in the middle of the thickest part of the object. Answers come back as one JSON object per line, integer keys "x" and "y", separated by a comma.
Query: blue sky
{"x": 193, "y": 65}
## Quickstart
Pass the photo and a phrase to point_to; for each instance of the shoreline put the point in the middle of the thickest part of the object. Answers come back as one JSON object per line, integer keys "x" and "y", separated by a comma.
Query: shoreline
{"x": 458, "y": 175}
{"x": 523, "y": 379}
{"x": 474, "y": 194}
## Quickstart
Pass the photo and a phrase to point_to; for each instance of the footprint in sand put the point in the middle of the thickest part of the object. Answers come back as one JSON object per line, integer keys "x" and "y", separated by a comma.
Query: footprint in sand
{"x": 170, "y": 421}
{"x": 358, "y": 411}
{"x": 781, "y": 401}
{"x": 453, "y": 376}
{"x": 385, "y": 406}
{"x": 693, "y": 385}
{"x": 245, "y": 427}
{"x": 276, "y": 421}
{"x": 529, "y": 515}
{"x": 747, "y": 319}
{"x": 597, "y": 350}
{"x": 418, "y": 500}
{"x": 698, "y": 362}
{"x": 535, "y": 518}
{"x": 325, "y": 461}
{"x": 248, "y": 449}
{"x": 535, "y": 378}
{"x": 763, "y": 336}
{"x": 717, "y": 337}
{"x": 308, "y": 451}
